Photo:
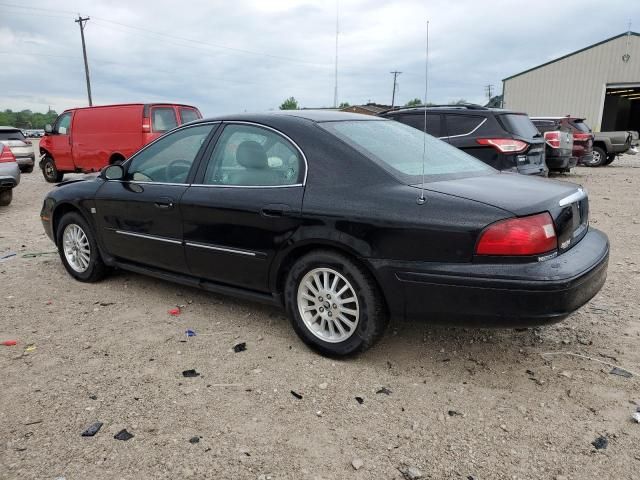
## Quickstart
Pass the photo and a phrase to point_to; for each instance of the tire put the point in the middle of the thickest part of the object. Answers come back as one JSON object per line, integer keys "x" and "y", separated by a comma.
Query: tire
{"x": 95, "y": 269}
{"x": 27, "y": 169}
{"x": 325, "y": 331}
{"x": 5, "y": 197}
{"x": 610, "y": 159}
{"x": 599, "y": 157}
{"x": 50, "y": 172}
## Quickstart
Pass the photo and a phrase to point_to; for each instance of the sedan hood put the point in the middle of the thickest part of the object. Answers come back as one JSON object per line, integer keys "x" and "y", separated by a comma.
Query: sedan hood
{"x": 515, "y": 193}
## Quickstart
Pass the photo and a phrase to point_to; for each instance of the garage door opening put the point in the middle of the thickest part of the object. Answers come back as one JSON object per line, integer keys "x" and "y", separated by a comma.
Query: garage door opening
{"x": 621, "y": 108}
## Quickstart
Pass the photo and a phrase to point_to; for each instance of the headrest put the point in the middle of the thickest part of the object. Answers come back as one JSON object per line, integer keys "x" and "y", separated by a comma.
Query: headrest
{"x": 250, "y": 154}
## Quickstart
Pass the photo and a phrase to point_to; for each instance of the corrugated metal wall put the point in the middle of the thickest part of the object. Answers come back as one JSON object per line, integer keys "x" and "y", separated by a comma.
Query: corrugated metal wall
{"x": 575, "y": 85}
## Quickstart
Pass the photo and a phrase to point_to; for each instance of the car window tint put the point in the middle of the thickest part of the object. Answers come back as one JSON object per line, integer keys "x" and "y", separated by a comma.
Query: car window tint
{"x": 399, "y": 149}
{"x": 462, "y": 124}
{"x": 417, "y": 121}
{"x": 163, "y": 118}
{"x": 582, "y": 126}
{"x": 188, "y": 115}
{"x": 11, "y": 135}
{"x": 518, "y": 124}
{"x": 169, "y": 159}
{"x": 63, "y": 125}
{"x": 246, "y": 155}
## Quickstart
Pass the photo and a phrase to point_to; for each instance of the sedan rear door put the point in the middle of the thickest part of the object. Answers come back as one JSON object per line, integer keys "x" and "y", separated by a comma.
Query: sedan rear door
{"x": 244, "y": 205}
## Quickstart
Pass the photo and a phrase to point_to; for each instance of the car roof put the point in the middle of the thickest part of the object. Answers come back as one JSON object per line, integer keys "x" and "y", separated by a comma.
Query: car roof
{"x": 317, "y": 116}
{"x": 567, "y": 117}
{"x": 465, "y": 108}
{"x": 5, "y": 127}
{"x": 137, "y": 104}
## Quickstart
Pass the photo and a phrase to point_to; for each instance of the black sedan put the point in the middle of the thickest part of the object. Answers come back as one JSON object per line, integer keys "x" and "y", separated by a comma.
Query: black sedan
{"x": 343, "y": 219}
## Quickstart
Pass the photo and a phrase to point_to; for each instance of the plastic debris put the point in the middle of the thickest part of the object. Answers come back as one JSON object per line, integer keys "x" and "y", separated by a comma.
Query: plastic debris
{"x": 636, "y": 417}
{"x": 193, "y": 440}
{"x": 453, "y": 413}
{"x": 621, "y": 372}
{"x": 360, "y": 400}
{"x": 600, "y": 443}
{"x": 123, "y": 435}
{"x": 174, "y": 311}
{"x": 240, "y": 347}
{"x": 190, "y": 333}
{"x": 190, "y": 373}
{"x": 385, "y": 390}
{"x": 9, "y": 343}
{"x": 38, "y": 254}
{"x": 7, "y": 256}
{"x": 92, "y": 429}
{"x": 30, "y": 348}
{"x": 296, "y": 394}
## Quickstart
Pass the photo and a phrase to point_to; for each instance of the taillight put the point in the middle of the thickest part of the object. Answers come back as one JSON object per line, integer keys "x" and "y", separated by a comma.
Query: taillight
{"x": 504, "y": 145}
{"x": 519, "y": 236}
{"x": 552, "y": 139}
{"x": 6, "y": 155}
{"x": 582, "y": 136}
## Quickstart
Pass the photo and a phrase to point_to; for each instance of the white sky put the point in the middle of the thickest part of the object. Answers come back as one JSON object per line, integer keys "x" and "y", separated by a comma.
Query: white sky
{"x": 249, "y": 55}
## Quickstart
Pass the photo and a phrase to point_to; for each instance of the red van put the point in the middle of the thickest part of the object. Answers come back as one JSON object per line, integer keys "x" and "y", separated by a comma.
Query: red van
{"x": 87, "y": 139}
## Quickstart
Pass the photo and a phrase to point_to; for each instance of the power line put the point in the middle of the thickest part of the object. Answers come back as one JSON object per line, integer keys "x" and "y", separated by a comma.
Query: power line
{"x": 82, "y": 22}
{"x": 395, "y": 83}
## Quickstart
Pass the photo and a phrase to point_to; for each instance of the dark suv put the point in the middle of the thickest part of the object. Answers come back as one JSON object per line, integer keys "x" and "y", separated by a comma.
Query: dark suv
{"x": 503, "y": 139}
{"x": 582, "y": 135}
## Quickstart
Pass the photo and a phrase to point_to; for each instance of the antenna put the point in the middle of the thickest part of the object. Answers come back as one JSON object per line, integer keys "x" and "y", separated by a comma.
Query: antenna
{"x": 421, "y": 198}
{"x": 335, "y": 91}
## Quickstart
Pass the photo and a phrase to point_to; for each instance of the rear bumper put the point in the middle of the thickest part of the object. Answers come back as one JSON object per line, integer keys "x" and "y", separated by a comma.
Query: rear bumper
{"x": 561, "y": 162}
{"x": 498, "y": 295}
{"x": 26, "y": 160}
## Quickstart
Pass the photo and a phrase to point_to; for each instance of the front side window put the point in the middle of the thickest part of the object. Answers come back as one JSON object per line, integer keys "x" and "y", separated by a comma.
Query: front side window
{"x": 247, "y": 155}
{"x": 400, "y": 150}
{"x": 163, "y": 119}
{"x": 188, "y": 115}
{"x": 63, "y": 124}
{"x": 169, "y": 160}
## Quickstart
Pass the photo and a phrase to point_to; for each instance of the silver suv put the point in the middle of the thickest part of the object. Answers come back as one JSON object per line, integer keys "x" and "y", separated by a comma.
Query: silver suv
{"x": 21, "y": 148}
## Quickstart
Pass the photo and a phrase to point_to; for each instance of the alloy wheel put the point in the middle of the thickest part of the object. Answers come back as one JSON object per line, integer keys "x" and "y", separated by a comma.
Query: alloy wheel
{"x": 77, "y": 250}
{"x": 328, "y": 305}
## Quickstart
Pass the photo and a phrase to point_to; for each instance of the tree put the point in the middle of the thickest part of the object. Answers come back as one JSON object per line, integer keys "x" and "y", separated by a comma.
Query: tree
{"x": 344, "y": 105}
{"x": 462, "y": 101}
{"x": 416, "y": 102}
{"x": 289, "y": 104}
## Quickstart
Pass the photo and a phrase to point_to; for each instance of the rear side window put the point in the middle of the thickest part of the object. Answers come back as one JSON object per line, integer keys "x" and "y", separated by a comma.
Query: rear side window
{"x": 417, "y": 121}
{"x": 545, "y": 125}
{"x": 518, "y": 124}
{"x": 163, "y": 119}
{"x": 188, "y": 115}
{"x": 11, "y": 135}
{"x": 462, "y": 124}
{"x": 582, "y": 126}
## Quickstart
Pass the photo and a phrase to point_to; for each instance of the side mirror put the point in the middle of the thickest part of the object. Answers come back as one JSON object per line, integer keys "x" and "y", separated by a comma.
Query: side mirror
{"x": 48, "y": 128}
{"x": 113, "y": 172}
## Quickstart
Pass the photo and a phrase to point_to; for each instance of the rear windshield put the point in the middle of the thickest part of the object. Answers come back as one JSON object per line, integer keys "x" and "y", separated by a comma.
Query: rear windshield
{"x": 163, "y": 118}
{"x": 188, "y": 115}
{"x": 11, "y": 135}
{"x": 519, "y": 124}
{"x": 399, "y": 149}
{"x": 581, "y": 125}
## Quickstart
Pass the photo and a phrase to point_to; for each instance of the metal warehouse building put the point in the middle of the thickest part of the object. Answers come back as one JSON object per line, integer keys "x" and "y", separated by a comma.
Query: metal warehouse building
{"x": 600, "y": 82}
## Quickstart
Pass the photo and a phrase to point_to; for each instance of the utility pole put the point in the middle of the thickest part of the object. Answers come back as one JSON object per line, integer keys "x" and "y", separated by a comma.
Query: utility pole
{"x": 81, "y": 21}
{"x": 395, "y": 83}
{"x": 489, "y": 91}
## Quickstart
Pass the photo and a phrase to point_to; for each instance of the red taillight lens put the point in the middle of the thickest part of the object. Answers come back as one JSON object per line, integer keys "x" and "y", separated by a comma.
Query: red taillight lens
{"x": 582, "y": 136}
{"x": 504, "y": 145}
{"x": 6, "y": 155}
{"x": 519, "y": 236}
{"x": 552, "y": 139}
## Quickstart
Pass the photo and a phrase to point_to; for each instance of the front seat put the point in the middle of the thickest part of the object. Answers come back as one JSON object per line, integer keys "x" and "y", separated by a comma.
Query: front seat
{"x": 253, "y": 158}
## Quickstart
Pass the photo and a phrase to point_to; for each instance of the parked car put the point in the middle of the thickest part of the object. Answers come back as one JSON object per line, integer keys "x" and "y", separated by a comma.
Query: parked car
{"x": 87, "y": 139}
{"x": 559, "y": 146}
{"x": 582, "y": 135}
{"x": 21, "y": 148}
{"x": 9, "y": 175}
{"x": 330, "y": 215}
{"x": 503, "y": 139}
{"x": 608, "y": 145}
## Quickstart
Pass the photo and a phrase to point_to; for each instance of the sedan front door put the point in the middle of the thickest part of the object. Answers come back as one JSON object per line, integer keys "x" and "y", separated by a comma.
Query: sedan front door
{"x": 244, "y": 205}
{"x": 139, "y": 217}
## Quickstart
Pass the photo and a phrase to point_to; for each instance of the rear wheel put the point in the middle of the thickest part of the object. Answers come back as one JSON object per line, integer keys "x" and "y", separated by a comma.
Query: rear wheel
{"x": 598, "y": 159}
{"x": 610, "y": 159}
{"x": 334, "y": 305}
{"x": 5, "y": 197}
{"x": 78, "y": 249}
{"x": 49, "y": 170}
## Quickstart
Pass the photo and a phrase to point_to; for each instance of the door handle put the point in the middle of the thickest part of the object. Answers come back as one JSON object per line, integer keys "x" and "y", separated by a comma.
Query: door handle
{"x": 164, "y": 203}
{"x": 275, "y": 210}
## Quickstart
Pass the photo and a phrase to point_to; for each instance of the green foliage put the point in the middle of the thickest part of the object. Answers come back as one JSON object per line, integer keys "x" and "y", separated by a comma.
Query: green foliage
{"x": 26, "y": 118}
{"x": 416, "y": 102}
{"x": 289, "y": 104}
{"x": 344, "y": 105}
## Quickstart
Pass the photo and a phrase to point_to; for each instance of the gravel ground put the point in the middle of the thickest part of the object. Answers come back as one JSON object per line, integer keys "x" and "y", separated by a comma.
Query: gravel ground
{"x": 459, "y": 403}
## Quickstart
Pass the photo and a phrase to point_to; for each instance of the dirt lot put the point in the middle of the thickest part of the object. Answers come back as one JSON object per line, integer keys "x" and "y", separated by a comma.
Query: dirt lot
{"x": 462, "y": 404}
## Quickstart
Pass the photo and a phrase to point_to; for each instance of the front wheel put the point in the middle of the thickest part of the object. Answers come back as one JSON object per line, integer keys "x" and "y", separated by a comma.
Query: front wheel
{"x": 50, "y": 172}
{"x": 334, "y": 305}
{"x": 78, "y": 249}
{"x": 5, "y": 197}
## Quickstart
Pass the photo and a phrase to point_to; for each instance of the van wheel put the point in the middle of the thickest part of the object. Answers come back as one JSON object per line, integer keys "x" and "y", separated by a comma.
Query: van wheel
{"x": 5, "y": 197}
{"x": 50, "y": 172}
{"x": 78, "y": 249}
{"x": 334, "y": 304}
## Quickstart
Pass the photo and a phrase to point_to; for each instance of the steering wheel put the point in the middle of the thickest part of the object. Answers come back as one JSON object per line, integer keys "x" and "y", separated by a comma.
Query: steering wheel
{"x": 176, "y": 169}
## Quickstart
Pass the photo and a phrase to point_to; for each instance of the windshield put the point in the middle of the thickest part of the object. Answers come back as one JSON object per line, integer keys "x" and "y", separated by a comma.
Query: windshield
{"x": 519, "y": 124}
{"x": 582, "y": 126}
{"x": 399, "y": 148}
